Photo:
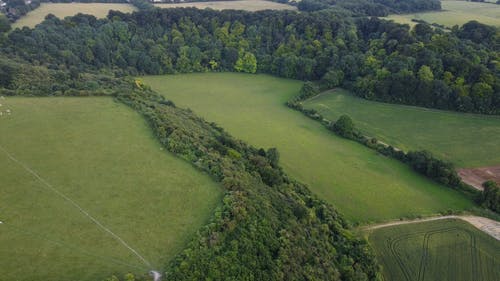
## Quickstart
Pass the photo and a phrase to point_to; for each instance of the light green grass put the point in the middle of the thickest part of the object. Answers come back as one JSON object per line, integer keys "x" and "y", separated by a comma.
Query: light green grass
{"x": 456, "y": 13}
{"x": 104, "y": 156}
{"x": 445, "y": 250}
{"x": 362, "y": 184}
{"x": 62, "y": 10}
{"x": 467, "y": 140}
{"x": 247, "y": 5}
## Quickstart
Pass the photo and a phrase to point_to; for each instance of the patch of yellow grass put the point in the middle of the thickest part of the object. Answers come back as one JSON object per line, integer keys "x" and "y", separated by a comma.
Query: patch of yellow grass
{"x": 62, "y": 10}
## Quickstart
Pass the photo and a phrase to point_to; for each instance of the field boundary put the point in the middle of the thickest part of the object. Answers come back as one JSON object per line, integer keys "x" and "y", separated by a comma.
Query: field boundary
{"x": 488, "y": 226}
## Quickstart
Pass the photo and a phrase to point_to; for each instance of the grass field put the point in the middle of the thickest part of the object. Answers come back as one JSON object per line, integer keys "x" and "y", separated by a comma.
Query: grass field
{"x": 446, "y": 250}
{"x": 456, "y": 12}
{"x": 248, "y": 5}
{"x": 362, "y": 184}
{"x": 468, "y": 140}
{"x": 102, "y": 155}
{"x": 62, "y": 10}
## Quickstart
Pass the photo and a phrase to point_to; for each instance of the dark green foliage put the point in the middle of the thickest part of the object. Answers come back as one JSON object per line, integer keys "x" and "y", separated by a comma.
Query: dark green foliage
{"x": 376, "y": 59}
{"x": 371, "y": 7}
{"x": 343, "y": 126}
{"x": 269, "y": 227}
{"x": 491, "y": 196}
{"x": 424, "y": 163}
{"x": 4, "y": 24}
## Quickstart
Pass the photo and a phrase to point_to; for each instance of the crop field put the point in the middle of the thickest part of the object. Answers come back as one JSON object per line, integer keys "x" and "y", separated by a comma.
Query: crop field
{"x": 362, "y": 184}
{"x": 62, "y": 10}
{"x": 456, "y": 12}
{"x": 248, "y": 5}
{"x": 467, "y": 140}
{"x": 58, "y": 155}
{"x": 445, "y": 250}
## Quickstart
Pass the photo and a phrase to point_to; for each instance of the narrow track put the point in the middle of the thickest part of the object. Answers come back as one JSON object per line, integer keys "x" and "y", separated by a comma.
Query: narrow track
{"x": 486, "y": 225}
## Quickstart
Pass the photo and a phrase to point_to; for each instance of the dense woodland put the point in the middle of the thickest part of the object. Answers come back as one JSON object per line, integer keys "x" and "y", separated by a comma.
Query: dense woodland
{"x": 376, "y": 59}
{"x": 269, "y": 227}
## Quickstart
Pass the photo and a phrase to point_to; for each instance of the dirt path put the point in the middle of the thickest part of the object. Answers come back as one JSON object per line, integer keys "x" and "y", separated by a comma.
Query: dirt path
{"x": 486, "y": 225}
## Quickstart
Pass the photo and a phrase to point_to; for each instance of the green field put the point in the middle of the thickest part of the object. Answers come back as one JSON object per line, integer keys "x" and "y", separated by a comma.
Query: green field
{"x": 247, "y": 5}
{"x": 444, "y": 250}
{"x": 362, "y": 184}
{"x": 62, "y": 10}
{"x": 102, "y": 155}
{"x": 467, "y": 140}
{"x": 455, "y": 12}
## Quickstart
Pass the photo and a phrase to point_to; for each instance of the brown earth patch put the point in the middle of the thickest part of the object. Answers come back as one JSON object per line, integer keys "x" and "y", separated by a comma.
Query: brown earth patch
{"x": 477, "y": 176}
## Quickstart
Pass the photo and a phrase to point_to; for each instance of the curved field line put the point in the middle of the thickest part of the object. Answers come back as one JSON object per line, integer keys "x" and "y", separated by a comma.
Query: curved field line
{"x": 488, "y": 226}
{"x": 393, "y": 243}
{"x": 85, "y": 213}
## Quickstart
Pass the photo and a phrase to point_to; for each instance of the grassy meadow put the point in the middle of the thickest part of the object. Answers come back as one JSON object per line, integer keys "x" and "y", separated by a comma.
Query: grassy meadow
{"x": 445, "y": 250}
{"x": 62, "y": 10}
{"x": 467, "y": 140}
{"x": 455, "y": 13}
{"x": 359, "y": 182}
{"x": 247, "y": 5}
{"x": 102, "y": 155}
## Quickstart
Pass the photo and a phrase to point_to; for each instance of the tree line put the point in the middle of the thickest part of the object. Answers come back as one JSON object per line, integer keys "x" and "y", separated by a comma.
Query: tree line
{"x": 376, "y": 59}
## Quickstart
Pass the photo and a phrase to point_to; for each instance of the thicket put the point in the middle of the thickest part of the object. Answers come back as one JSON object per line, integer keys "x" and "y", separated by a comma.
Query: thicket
{"x": 376, "y": 59}
{"x": 380, "y": 8}
{"x": 491, "y": 196}
{"x": 269, "y": 226}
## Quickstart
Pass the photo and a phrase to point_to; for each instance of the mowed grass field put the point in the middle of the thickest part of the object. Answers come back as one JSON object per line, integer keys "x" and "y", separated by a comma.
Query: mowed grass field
{"x": 445, "y": 250}
{"x": 247, "y": 5}
{"x": 359, "y": 182}
{"x": 467, "y": 140}
{"x": 455, "y": 13}
{"x": 62, "y": 10}
{"x": 103, "y": 156}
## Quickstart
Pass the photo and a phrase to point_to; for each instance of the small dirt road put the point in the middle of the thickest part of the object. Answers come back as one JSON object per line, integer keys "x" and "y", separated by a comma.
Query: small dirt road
{"x": 486, "y": 225}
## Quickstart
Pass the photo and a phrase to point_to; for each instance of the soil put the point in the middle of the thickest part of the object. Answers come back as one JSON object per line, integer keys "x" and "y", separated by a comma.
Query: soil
{"x": 477, "y": 176}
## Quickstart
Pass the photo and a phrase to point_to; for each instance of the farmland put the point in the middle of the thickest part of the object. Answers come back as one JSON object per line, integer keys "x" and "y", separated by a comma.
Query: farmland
{"x": 252, "y": 108}
{"x": 456, "y": 13}
{"x": 447, "y": 250}
{"x": 467, "y": 140}
{"x": 247, "y": 5}
{"x": 62, "y": 10}
{"x": 101, "y": 156}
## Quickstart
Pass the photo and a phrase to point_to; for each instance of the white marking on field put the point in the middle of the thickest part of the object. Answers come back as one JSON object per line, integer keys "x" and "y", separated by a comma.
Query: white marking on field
{"x": 62, "y": 195}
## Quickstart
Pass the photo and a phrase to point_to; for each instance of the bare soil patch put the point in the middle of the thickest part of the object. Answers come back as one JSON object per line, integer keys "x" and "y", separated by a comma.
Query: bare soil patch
{"x": 477, "y": 176}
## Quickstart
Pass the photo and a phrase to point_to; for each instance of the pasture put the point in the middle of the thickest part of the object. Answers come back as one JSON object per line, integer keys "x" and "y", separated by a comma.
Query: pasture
{"x": 445, "y": 250}
{"x": 62, "y": 10}
{"x": 247, "y": 5}
{"x": 362, "y": 184}
{"x": 455, "y": 13}
{"x": 467, "y": 140}
{"x": 60, "y": 153}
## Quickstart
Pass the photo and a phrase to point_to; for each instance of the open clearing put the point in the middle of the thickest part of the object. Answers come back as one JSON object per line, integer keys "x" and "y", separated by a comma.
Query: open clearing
{"x": 477, "y": 176}
{"x": 247, "y": 5}
{"x": 467, "y": 140}
{"x": 103, "y": 156}
{"x": 359, "y": 182}
{"x": 445, "y": 250}
{"x": 62, "y": 10}
{"x": 456, "y": 12}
